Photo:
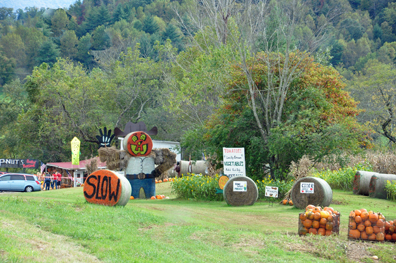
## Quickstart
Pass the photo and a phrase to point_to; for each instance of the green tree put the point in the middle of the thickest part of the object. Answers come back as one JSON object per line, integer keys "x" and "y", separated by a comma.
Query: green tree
{"x": 83, "y": 47}
{"x": 59, "y": 22}
{"x": 69, "y": 44}
{"x": 149, "y": 25}
{"x": 318, "y": 118}
{"x": 7, "y": 69}
{"x": 47, "y": 53}
{"x": 375, "y": 88}
{"x": 100, "y": 39}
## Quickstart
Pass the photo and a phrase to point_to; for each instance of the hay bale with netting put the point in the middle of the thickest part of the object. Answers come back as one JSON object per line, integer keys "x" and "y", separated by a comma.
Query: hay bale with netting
{"x": 196, "y": 167}
{"x": 234, "y": 197}
{"x": 165, "y": 158}
{"x": 378, "y": 183}
{"x": 91, "y": 166}
{"x": 322, "y": 194}
{"x": 111, "y": 156}
{"x": 361, "y": 182}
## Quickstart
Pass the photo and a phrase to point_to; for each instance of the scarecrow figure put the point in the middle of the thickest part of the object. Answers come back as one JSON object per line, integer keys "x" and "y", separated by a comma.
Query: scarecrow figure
{"x": 138, "y": 159}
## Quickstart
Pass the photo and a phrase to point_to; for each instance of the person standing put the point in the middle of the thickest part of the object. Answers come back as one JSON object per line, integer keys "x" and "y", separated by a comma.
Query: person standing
{"x": 59, "y": 180}
{"x": 177, "y": 169}
{"x": 54, "y": 180}
{"x": 47, "y": 181}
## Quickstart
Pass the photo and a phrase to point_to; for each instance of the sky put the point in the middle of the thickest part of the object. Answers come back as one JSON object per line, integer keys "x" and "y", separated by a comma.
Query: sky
{"x": 16, "y": 4}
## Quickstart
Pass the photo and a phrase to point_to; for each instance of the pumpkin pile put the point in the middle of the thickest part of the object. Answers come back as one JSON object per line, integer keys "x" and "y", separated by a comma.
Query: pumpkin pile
{"x": 318, "y": 221}
{"x": 365, "y": 225}
{"x": 390, "y": 230}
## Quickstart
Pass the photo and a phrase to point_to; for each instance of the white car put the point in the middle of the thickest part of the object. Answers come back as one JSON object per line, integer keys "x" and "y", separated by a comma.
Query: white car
{"x": 19, "y": 182}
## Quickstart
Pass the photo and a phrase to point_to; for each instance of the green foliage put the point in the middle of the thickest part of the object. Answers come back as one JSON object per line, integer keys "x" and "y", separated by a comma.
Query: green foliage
{"x": 390, "y": 188}
{"x": 48, "y": 53}
{"x": 342, "y": 178}
{"x": 197, "y": 187}
{"x": 283, "y": 187}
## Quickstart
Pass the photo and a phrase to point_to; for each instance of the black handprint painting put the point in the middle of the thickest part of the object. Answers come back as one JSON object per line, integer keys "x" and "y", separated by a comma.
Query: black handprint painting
{"x": 105, "y": 138}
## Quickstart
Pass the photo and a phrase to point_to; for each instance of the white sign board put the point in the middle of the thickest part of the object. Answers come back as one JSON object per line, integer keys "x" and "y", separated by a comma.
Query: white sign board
{"x": 234, "y": 162}
{"x": 240, "y": 186}
{"x": 307, "y": 188}
{"x": 271, "y": 191}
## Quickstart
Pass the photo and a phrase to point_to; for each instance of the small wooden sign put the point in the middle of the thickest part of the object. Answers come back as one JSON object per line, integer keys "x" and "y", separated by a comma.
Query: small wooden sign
{"x": 271, "y": 191}
{"x": 105, "y": 187}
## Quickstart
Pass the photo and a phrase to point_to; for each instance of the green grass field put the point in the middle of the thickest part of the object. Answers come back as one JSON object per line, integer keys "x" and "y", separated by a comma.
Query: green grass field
{"x": 60, "y": 226}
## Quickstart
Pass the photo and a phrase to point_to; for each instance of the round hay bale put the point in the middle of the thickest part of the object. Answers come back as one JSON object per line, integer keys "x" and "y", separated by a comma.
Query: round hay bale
{"x": 321, "y": 196}
{"x": 361, "y": 182}
{"x": 240, "y": 190}
{"x": 378, "y": 183}
{"x": 197, "y": 167}
{"x": 105, "y": 187}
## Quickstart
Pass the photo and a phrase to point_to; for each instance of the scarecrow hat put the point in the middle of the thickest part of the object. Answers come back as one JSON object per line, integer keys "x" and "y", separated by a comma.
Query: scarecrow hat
{"x": 132, "y": 127}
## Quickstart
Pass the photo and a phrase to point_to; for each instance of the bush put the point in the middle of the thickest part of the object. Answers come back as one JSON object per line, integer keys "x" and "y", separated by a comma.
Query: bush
{"x": 343, "y": 177}
{"x": 391, "y": 190}
{"x": 197, "y": 187}
{"x": 283, "y": 187}
{"x": 200, "y": 187}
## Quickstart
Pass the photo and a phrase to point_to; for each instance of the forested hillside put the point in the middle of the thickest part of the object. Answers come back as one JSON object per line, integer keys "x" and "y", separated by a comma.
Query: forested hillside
{"x": 69, "y": 72}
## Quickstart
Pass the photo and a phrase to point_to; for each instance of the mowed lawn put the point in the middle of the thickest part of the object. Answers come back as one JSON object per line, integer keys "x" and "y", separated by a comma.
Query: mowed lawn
{"x": 60, "y": 226}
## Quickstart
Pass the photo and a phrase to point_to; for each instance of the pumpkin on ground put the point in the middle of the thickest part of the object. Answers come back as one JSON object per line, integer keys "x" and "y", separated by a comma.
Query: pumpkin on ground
{"x": 318, "y": 221}
{"x": 366, "y": 225}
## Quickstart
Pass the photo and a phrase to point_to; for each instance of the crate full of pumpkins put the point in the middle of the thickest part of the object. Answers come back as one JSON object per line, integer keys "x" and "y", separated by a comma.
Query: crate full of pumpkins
{"x": 365, "y": 225}
{"x": 390, "y": 231}
{"x": 318, "y": 221}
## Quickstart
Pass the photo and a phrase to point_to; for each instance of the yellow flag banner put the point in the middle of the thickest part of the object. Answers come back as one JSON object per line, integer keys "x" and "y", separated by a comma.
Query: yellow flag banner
{"x": 75, "y": 147}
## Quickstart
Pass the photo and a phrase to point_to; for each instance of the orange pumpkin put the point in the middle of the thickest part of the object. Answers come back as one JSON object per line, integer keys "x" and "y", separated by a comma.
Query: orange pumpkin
{"x": 323, "y": 221}
{"x": 380, "y": 223}
{"x": 380, "y": 237}
{"x": 328, "y": 232}
{"x": 364, "y": 216}
{"x": 354, "y": 234}
{"x": 373, "y": 217}
{"x": 321, "y": 231}
{"x": 352, "y": 225}
{"x": 317, "y": 216}
{"x": 315, "y": 224}
{"x": 285, "y": 201}
{"x": 309, "y": 207}
{"x": 313, "y": 231}
{"x": 358, "y": 219}
{"x": 363, "y": 235}
{"x": 388, "y": 237}
{"x": 369, "y": 230}
{"x": 361, "y": 227}
{"x": 367, "y": 223}
{"x": 394, "y": 236}
{"x": 307, "y": 223}
{"x": 372, "y": 237}
{"x": 153, "y": 197}
{"x": 358, "y": 213}
{"x": 376, "y": 229}
{"x": 302, "y": 216}
{"x": 131, "y": 198}
{"x": 290, "y": 202}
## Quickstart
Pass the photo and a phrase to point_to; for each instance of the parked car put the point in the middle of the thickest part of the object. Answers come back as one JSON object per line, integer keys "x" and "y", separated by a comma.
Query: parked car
{"x": 19, "y": 182}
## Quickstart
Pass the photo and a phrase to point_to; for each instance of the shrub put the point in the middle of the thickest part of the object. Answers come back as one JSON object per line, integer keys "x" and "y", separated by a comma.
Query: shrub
{"x": 283, "y": 187}
{"x": 197, "y": 187}
{"x": 390, "y": 188}
{"x": 343, "y": 177}
{"x": 200, "y": 187}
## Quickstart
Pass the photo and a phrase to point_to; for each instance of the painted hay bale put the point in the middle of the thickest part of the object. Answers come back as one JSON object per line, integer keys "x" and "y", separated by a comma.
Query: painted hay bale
{"x": 361, "y": 182}
{"x": 196, "y": 167}
{"x": 378, "y": 183}
{"x": 321, "y": 196}
{"x": 104, "y": 187}
{"x": 240, "y": 190}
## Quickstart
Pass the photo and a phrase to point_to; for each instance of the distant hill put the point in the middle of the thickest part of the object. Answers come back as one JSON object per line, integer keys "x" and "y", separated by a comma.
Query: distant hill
{"x": 16, "y": 4}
